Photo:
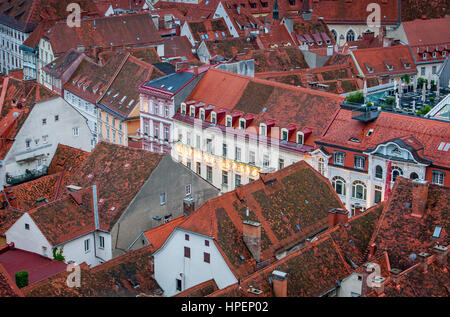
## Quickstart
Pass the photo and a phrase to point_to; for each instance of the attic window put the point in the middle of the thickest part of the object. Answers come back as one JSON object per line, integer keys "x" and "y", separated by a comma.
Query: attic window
{"x": 444, "y": 146}
{"x": 389, "y": 67}
{"x": 354, "y": 140}
{"x": 123, "y": 99}
{"x": 370, "y": 132}
{"x": 437, "y": 232}
{"x": 90, "y": 176}
{"x": 112, "y": 208}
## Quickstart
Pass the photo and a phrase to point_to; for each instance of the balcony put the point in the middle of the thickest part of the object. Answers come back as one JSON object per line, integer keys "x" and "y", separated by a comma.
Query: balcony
{"x": 28, "y": 176}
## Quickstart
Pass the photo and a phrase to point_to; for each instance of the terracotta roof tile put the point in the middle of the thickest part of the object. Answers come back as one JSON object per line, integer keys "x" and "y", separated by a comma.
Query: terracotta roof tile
{"x": 67, "y": 158}
{"x": 200, "y": 290}
{"x": 157, "y": 236}
{"x": 7, "y": 286}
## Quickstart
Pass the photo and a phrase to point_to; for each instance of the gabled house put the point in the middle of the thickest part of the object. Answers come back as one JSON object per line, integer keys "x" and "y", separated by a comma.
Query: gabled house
{"x": 100, "y": 209}
{"x": 49, "y": 123}
{"x": 197, "y": 31}
{"x": 8, "y": 287}
{"x": 266, "y": 220}
{"x": 232, "y": 127}
{"x": 238, "y": 20}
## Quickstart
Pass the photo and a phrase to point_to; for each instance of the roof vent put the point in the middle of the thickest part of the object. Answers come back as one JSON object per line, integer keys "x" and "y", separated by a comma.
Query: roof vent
{"x": 73, "y": 188}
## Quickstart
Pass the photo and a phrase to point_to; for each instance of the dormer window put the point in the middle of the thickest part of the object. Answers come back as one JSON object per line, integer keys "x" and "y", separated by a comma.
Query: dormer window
{"x": 183, "y": 108}
{"x": 300, "y": 138}
{"x": 424, "y": 55}
{"x": 284, "y": 135}
{"x": 263, "y": 129}
{"x": 390, "y": 67}
{"x": 213, "y": 117}
{"x": 369, "y": 69}
{"x": 444, "y": 54}
{"x": 242, "y": 123}
{"x": 434, "y": 54}
{"x": 192, "y": 111}
{"x": 229, "y": 121}
{"x": 202, "y": 114}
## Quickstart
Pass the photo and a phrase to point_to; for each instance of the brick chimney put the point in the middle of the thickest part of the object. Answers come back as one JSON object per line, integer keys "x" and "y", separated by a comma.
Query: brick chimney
{"x": 279, "y": 283}
{"x": 395, "y": 275}
{"x": 336, "y": 216}
{"x": 423, "y": 261}
{"x": 188, "y": 206}
{"x": 378, "y": 284}
{"x": 251, "y": 231}
{"x": 419, "y": 197}
{"x": 441, "y": 254}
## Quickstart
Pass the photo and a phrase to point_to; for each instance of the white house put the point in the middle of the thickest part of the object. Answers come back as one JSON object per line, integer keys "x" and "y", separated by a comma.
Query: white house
{"x": 49, "y": 123}
{"x": 200, "y": 262}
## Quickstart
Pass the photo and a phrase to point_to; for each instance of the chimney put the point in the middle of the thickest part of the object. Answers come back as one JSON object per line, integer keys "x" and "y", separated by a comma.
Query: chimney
{"x": 279, "y": 283}
{"x": 336, "y": 216}
{"x": 177, "y": 30}
{"x": 188, "y": 206}
{"x": 419, "y": 197}
{"x": 252, "y": 238}
{"x": 423, "y": 261}
{"x": 395, "y": 275}
{"x": 368, "y": 36}
{"x": 196, "y": 71}
{"x": 378, "y": 284}
{"x": 441, "y": 254}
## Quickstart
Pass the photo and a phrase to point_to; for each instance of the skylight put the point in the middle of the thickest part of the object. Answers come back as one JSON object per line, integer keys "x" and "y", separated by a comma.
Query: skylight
{"x": 437, "y": 232}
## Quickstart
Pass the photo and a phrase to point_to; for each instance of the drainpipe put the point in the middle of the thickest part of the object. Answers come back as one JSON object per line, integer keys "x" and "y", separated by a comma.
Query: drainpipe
{"x": 97, "y": 223}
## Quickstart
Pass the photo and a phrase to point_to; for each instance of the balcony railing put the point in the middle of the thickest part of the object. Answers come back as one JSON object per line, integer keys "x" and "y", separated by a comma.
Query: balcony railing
{"x": 29, "y": 175}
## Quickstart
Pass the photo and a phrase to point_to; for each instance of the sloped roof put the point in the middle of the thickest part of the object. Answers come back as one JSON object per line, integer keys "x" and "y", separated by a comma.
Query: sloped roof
{"x": 402, "y": 234}
{"x": 145, "y": 54}
{"x": 278, "y": 36}
{"x": 294, "y": 196}
{"x": 157, "y": 236}
{"x": 128, "y": 275}
{"x": 420, "y": 9}
{"x": 67, "y": 158}
{"x": 379, "y": 59}
{"x": 105, "y": 32}
{"x": 208, "y": 28}
{"x": 266, "y": 100}
{"x": 200, "y": 290}
{"x": 61, "y": 64}
{"x": 7, "y": 286}
{"x": 430, "y": 133}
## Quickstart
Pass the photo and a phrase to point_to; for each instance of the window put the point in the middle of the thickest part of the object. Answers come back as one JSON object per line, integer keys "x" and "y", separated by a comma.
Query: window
{"x": 183, "y": 108}
{"x": 251, "y": 158}
{"x": 413, "y": 176}
{"x": 166, "y": 111}
{"x": 378, "y": 193}
{"x": 237, "y": 180}
{"x": 224, "y": 178}
{"x": 199, "y": 168}
{"x": 166, "y": 134}
{"x": 339, "y": 185}
{"x": 396, "y": 171}
{"x": 56, "y": 118}
{"x": 300, "y": 137}
{"x": 237, "y": 153}
{"x": 86, "y": 245}
{"x": 157, "y": 109}
{"x": 242, "y": 124}
{"x": 186, "y": 237}
{"x": 266, "y": 161}
{"x": 206, "y": 257}
{"x": 284, "y": 135}
{"x": 197, "y": 139}
{"x": 280, "y": 164}
{"x": 262, "y": 129}
{"x": 101, "y": 242}
{"x": 229, "y": 121}
{"x": 438, "y": 177}
{"x": 188, "y": 189}
{"x": 44, "y": 121}
{"x": 75, "y": 131}
{"x": 360, "y": 162}
{"x": 224, "y": 150}
{"x": 209, "y": 145}
{"x": 359, "y": 190}
{"x": 178, "y": 281}
{"x": 27, "y": 226}
{"x": 187, "y": 252}
{"x": 321, "y": 166}
{"x": 202, "y": 114}
{"x": 422, "y": 71}
{"x": 206, "y": 243}
{"x": 162, "y": 198}
{"x": 213, "y": 117}
{"x": 27, "y": 143}
{"x": 434, "y": 69}
{"x": 378, "y": 172}
{"x": 350, "y": 36}
{"x": 339, "y": 158}
{"x": 209, "y": 173}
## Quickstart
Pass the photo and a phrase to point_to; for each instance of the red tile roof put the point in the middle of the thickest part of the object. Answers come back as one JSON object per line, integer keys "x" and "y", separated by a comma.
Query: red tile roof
{"x": 37, "y": 266}
{"x": 377, "y": 61}
{"x": 7, "y": 286}
{"x": 128, "y": 275}
{"x": 428, "y": 36}
{"x": 145, "y": 54}
{"x": 63, "y": 63}
{"x": 280, "y": 201}
{"x": 417, "y": 9}
{"x": 208, "y": 28}
{"x": 430, "y": 133}
{"x": 402, "y": 233}
{"x": 200, "y": 290}
{"x": 176, "y": 46}
{"x": 67, "y": 158}
{"x": 285, "y": 104}
{"x": 157, "y": 236}
{"x": 102, "y": 33}
{"x": 278, "y": 36}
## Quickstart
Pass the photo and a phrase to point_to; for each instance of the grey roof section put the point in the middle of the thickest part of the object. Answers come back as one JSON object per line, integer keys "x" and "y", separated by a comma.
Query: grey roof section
{"x": 171, "y": 83}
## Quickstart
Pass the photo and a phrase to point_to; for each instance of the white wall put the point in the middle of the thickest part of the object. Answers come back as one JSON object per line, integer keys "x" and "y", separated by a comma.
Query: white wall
{"x": 11, "y": 56}
{"x": 169, "y": 262}
{"x": 185, "y": 31}
{"x": 60, "y": 131}
{"x": 87, "y": 109}
{"x": 29, "y": 240}
{"x": 221, "y": 13}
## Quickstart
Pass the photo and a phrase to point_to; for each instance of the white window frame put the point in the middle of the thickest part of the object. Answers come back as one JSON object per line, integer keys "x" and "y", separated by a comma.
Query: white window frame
{"x": 213, "y": 117}
{"x": 263, "y": 129}
{"x": 87, "y": 247}
{"x": 162, "y": 199}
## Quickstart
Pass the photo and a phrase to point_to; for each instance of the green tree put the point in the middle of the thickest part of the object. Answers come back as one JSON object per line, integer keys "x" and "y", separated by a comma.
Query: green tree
{"x": 21, "y": 279}
{"x": 356, "y": 97}
{"x": 425, "y": 109}
{"x": 406, "y": 78}
{"x": 57, "y": 255}
{"x": 390, "y": 100}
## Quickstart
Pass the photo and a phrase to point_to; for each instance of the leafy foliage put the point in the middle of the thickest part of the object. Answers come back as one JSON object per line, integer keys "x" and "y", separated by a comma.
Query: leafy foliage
{"x": 21, "y": 279}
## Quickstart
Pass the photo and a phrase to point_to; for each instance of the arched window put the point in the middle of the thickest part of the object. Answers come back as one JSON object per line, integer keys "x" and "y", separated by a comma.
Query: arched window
{"x": 350, "y": 36}
{"x": 413, "y": 175}
{"x": 396, "y": 171}
{"x": 300, "y": 137}
{"x": 321, "y": 166}
{"x": 284, "y": 134}
{"x": 339, "y": 185}
{"x": 378, "y": 171}
{"x": 334, "y": 33}
{"x": 359, "y": 190}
